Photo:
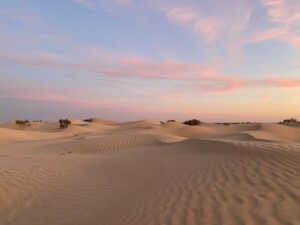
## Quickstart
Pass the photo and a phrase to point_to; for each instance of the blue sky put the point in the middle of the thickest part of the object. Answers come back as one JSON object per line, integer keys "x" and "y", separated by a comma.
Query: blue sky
{"x": 217, "y": 60}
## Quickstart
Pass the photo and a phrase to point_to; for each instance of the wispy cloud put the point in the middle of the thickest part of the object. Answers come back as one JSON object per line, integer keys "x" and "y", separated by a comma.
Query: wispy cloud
{"x": 283, "y": 11}
{"x": 70, "y": 96}
{"x": 25, "y": 17}
{"x": 210, "y": 26}
{"x": 286, "y": 14}
{"x": 207, "y": 19}
{"x": 94, "y": 4}
{"x": 276, "y": 34}
{"x": 203, "y": 77}
{"x": 206, "y": 27}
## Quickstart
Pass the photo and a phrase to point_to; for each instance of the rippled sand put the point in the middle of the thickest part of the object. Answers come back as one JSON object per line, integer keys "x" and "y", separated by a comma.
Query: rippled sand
{"x": 145, "y": 173}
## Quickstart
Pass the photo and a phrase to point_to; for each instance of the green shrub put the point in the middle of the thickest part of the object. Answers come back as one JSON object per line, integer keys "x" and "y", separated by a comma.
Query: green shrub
{"x": 192, "y": 122}
{"x": 64, "y": 123}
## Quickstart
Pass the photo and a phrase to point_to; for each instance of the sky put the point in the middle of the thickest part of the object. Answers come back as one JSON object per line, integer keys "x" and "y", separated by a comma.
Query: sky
{"x": 214, "y": 60}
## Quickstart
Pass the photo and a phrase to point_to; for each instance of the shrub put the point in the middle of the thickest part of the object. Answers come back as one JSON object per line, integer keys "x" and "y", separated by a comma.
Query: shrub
{"x": 88, "y": 120}
{"x": 171, "y": 121}
{"x": 226, "y": 124}
{"x": 192, "y": 122}
{"x": 22, "y": 122}
{"x": 290, "y": 121}
{"x": 64, "y": 123}
{"x": 37, "y": 121}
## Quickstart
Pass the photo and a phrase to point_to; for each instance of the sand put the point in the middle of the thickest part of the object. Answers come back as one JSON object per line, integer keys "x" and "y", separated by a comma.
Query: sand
{"x": 147, "y": 173}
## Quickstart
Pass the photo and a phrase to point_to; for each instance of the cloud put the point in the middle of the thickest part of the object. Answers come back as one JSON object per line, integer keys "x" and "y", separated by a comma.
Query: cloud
{"x": 286, "y": 13}
{"x": 182, "y": 15}
{"x": 220, "y": 20}
{"x": 268, "y": 34}
{"x": 26, "y": 17}
{"x": 119, "y": 66}
{"x": 71, "y": 97}
{"x": 94, "y": 4}
{"x": 281, "y": 82}
{"x": 206, "y": 27}
{"x": 205, "y": 78}
{"x": 207, "y": 18}
{"x": 277, "y": 34}
{"x": 283, "y": 11}
{"x": 43, "y": 59}
{"x": 85, "y": 3}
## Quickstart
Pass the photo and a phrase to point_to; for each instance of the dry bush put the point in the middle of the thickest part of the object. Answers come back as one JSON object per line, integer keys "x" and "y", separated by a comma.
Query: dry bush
{"x": 22, "y": 122}
{"x": 171, "y": 121}
{"x": 64, "y": 123}
{"x": 290, "y": 121}
{"x": 88, "y": 120}
{"x": 192, "y": 122}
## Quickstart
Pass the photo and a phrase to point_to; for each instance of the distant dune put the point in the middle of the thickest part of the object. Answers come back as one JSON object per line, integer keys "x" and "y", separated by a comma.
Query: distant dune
{"x": 147, "y": 173}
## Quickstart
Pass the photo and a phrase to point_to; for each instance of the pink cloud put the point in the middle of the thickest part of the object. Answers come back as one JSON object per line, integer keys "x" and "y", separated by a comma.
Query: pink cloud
{"x": 34, "y": 59}
{"x": 125, "y": 66}
{"x": 281, "y": 82}
{"x": 292, "y": 39}
{"x": 283, "y": 11}
{"x": 278, "y": 34}
{"x": 287, "y": 14}
{"x": 182, "y": 15}
{"x": 70, "y": 97}
{"x": 269, "y": 34}
{"x": 210, "y": 26}
{"x": 206, "y": 27}
{"x": 205, "y": 77}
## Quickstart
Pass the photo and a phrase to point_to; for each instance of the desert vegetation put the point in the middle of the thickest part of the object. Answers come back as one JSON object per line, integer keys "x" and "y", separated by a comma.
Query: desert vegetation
{"x": 193, "y": 122}
{"x": 171, "y": 121}
{"x": 22, "y": 122}
{"x": 88, "y": 120}
{"x": 64, "y": 123}
{"x": 290, "y": 121}
{"x": 233, "y": 123}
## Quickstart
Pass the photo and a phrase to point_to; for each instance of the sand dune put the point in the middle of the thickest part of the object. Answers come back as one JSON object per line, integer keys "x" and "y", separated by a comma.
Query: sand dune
{"x": 145, "y": 173}
{"x": 278, "y": 132}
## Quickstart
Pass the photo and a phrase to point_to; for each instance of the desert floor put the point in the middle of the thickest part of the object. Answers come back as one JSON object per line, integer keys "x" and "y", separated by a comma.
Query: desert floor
{"x": 147, "y": 173}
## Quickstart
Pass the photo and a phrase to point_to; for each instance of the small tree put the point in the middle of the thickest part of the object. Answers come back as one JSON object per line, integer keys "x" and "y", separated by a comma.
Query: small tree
{"x": 64, "y": 123}
{"x": 192, "y": 122}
